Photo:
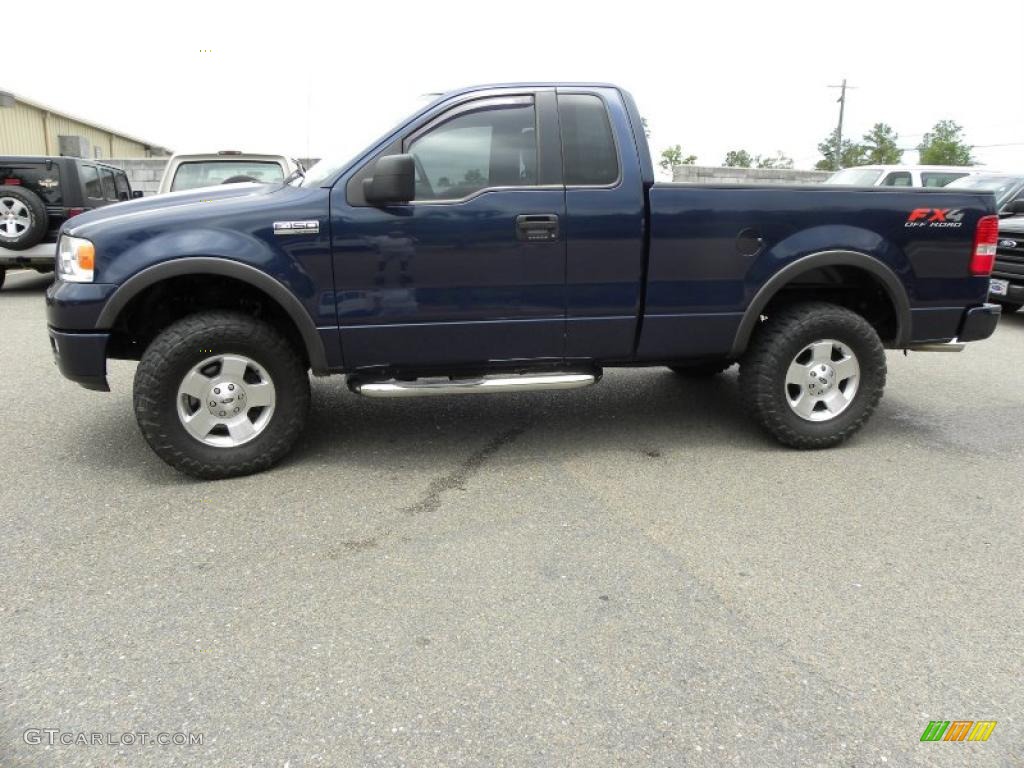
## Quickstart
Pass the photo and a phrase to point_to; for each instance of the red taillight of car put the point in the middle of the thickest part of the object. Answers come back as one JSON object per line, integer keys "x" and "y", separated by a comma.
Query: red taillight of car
{"x": 12, "y": 182}
{"x": 985, "y": 238}
{"x": 75, "y": 211}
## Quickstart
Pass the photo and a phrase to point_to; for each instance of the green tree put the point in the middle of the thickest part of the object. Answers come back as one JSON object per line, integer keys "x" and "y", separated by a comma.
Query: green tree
{"x": 880, "y": 146}
{"x": 944, "y": 145}
{"x": 831, "y": 160}
{"x": 673, "y": 156}
{"x": 738, "y": 158}
{"x": 778, "y": 160}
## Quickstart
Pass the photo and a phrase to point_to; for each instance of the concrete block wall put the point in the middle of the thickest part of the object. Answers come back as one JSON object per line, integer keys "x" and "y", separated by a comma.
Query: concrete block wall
{"x": 144, "y": 173}
{"x": 706, "y": 174}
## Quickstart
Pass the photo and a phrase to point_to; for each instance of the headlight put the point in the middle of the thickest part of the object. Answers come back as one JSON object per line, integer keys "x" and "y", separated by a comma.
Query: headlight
{"x": 76, "y": 259}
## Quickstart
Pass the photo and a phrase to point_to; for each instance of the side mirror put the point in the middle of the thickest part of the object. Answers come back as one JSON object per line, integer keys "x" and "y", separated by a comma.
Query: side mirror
{"x": 1014, "y": 207}
{"x": 393, "y": 181}
{"x": 136, "y": 194}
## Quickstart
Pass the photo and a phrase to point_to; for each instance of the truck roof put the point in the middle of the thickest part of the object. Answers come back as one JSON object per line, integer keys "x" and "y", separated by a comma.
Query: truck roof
{"x": 526, "y": 84}
{"x": 54, "y": 159}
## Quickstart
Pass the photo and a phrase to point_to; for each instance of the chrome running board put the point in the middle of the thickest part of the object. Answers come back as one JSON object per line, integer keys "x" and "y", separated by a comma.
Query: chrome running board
{"x": 453, "y": 386}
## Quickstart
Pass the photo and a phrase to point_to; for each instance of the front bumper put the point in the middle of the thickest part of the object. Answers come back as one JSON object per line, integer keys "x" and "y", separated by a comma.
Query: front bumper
{"x": 979, "y": 322}
{"x": 82, "y": 357}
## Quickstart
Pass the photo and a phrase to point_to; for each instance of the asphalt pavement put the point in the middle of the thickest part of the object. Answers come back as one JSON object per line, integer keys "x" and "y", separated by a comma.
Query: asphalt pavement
{"x": 630, "y": 574}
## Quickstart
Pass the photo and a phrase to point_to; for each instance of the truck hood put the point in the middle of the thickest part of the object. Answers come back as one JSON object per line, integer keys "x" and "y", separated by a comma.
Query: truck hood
{"x": 144, "y": 206}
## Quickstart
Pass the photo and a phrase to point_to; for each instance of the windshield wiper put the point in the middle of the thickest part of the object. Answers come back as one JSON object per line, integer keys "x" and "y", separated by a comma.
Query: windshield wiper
{"x": 298, "y": 172}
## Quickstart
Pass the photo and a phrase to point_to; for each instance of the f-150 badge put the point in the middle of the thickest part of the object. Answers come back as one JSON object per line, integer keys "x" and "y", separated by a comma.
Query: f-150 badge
{"x": 296, "y": 227}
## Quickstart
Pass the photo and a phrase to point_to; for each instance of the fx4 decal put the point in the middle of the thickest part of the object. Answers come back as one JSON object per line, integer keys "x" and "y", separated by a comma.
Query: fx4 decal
{"x": 935, "y": 217}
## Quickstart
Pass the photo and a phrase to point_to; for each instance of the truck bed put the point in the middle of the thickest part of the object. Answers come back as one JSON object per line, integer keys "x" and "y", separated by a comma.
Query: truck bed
{"x": 714, "y": 247}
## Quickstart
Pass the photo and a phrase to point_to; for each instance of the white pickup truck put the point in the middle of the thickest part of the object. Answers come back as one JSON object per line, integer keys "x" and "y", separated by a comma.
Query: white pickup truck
{"x": 225, "y": 167}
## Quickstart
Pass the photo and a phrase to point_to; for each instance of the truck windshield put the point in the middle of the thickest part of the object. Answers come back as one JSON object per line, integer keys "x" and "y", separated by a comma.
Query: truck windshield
{"x": 207, "y": 173}
{"x": 855, "y": 177}
{"x": 1005, "y": 188}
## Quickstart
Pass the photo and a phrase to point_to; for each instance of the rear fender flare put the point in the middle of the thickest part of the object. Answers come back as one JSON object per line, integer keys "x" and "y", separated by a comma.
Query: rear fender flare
{"x": 834, "y": 258}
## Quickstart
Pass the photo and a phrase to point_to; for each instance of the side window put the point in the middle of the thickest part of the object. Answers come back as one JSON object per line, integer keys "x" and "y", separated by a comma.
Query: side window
{"x": 588, "y": 149}
{"x": 492, "y": 146}
{"x": 897, "y": 179}
{"x": 124, "y": 189}
{"x": 938, "y": 179}
{"x": 109, "y": 188}
{"x": 91, "y": 181}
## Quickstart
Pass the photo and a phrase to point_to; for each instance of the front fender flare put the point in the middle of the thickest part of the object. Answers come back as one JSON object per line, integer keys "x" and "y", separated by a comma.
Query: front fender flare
{"x": 202, "y": 265}
{"x": 832, "y": 258}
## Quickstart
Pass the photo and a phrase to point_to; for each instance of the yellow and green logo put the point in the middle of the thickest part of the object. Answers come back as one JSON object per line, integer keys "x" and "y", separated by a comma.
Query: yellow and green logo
{"x": 958, "y": 730}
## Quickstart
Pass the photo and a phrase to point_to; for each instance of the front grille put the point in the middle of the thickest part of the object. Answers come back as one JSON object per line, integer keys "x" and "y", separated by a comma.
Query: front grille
{"x": 1010, "y": 258}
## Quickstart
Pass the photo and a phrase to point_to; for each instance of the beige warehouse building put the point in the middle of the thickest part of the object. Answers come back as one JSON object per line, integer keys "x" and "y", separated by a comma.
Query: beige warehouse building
{"x": 29, "y": 128}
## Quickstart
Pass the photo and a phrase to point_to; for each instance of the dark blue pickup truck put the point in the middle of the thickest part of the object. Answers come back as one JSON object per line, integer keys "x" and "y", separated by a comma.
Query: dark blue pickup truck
{"x": 507, "y": 238}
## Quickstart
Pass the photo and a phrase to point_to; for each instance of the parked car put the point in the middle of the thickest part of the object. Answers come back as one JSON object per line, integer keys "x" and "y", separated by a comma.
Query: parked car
{"x": 39, "y": 194}
{"x": 226, "y": 167}
{"x": 509, "y": 238}
{"x": 1007, "y": 187}
{"x": 1007, "y": 287}
{"x": 901, "y": 175}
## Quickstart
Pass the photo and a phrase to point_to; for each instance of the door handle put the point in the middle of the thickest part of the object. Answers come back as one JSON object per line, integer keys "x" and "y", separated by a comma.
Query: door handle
{"x": 537, "y": 227}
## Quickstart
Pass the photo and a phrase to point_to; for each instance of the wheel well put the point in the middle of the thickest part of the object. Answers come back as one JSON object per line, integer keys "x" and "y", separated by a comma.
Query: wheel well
{"x": 167, "y": 301}
{"x": 849, "y": 286}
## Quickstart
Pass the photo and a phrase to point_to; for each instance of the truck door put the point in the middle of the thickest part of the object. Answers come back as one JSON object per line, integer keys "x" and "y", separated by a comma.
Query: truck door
{"x": 472, "y": 271}
{"x": 605, "y": 212}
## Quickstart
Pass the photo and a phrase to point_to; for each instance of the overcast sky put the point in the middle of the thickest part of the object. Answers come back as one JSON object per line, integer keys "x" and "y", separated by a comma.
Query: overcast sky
{"x": 311, "y": 79}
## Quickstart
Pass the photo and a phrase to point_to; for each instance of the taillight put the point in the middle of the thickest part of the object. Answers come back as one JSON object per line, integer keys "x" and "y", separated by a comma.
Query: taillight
{"x": 75, "y": 211}
{"x": 985, "y": 238}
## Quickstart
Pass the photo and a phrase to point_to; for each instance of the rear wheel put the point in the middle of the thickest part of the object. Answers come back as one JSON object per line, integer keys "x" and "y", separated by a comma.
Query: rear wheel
{"x": 23, "y": 218}
{"x": 701, "y": 369}
{"x": 3, "y": 276}
{"x": 813, "y": 374}
{"x": 221, "y": 394}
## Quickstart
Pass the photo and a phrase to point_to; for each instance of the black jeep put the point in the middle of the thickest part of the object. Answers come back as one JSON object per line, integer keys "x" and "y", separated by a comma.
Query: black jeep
{"x": 38, "y": 194}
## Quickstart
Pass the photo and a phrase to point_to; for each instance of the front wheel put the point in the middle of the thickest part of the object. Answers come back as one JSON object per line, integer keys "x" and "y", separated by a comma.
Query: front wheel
{"x": 813, "y": 374}
{"x": 221, "y": 394}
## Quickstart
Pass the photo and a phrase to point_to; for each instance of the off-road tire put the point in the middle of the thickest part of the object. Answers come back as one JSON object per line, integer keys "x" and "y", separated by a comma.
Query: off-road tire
{"x": 773, "y": 347}
{"x": 702, "y": 369}
{"x": 39, "y": 222}
{"x": 185, "y": 344}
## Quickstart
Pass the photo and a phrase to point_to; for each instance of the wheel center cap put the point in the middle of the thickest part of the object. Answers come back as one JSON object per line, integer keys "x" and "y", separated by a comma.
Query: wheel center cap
{"x": 225, "y": 398}
{"x": 821, "y": 379}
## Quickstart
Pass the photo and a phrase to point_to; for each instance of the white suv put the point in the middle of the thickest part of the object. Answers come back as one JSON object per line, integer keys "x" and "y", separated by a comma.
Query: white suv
{"x": 902, "y": 175}
{"x": 227, "y": 167}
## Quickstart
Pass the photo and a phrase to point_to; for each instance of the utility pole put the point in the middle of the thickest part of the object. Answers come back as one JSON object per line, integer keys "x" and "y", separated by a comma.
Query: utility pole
{"x": 839, "y": 130}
